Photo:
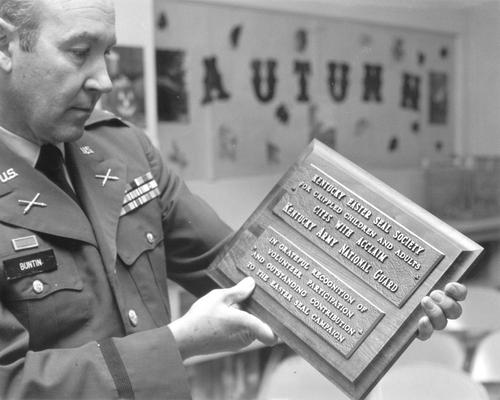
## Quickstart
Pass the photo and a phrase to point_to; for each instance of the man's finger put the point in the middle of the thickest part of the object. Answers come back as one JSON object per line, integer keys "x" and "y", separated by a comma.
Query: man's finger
{"x": 434, "y": 312}
{"x": 261, "y": 330}
{"x": 456, "y": 291}
{"x": 425, "y": 328}
{"x": 450, "y": 308}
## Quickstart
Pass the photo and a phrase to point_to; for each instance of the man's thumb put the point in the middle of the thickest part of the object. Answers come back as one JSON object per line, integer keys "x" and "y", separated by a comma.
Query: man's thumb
{"x": 241, "y": 291}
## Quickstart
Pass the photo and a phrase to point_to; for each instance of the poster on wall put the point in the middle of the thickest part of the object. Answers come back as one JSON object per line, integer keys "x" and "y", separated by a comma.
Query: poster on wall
{"x": 126, "y": 69}
{"x": 170, "y": 86}
{"x": 242, "y": 91}
{"x": 438, "y": 98}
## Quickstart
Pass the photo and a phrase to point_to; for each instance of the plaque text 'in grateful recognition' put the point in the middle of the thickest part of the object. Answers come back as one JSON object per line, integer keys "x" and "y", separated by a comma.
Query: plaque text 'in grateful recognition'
{"x": 341, "y": 262}
{"x": 309, "y": 291}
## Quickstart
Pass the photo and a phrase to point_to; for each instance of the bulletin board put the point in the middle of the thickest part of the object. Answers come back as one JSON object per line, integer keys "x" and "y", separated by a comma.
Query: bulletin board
{"x": 242, "y": 91}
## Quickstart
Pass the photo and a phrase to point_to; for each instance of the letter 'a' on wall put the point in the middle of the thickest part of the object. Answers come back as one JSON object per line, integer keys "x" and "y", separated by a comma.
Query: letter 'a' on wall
{"x": 242, "y": 91}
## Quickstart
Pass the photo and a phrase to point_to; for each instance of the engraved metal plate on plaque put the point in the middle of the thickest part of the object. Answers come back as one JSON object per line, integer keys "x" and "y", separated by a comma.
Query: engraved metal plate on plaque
{"x": 341, "y": 262}
{"x": 310, "y": 291}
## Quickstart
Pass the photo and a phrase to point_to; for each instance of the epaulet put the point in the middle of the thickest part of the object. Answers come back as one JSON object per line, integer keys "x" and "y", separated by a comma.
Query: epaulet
{"x": 103, "y": 117}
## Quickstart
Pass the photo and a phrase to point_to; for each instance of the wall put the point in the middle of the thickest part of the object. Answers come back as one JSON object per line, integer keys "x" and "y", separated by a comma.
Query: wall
{"x": 477, "y": 29}
{"x": 242, "y": 196}
{"x": 416, "y": 14}
{"x": 135, "y": 27}
{"x": 482, "y": 90}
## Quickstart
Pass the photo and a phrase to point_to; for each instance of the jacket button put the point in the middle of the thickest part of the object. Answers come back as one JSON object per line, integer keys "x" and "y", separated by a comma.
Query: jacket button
{"x": 133, "y": 318}
{"x": 37, "y": 286}
{"x": 150, "y": 238}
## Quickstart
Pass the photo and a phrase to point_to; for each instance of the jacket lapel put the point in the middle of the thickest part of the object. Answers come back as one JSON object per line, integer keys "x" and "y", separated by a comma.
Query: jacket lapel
{"x": 53, "y": 212}
{"x": 101, "y": 198}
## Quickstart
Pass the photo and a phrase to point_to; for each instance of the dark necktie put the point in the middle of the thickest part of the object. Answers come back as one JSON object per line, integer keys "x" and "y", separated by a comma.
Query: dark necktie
{"x": 51, "y": 164}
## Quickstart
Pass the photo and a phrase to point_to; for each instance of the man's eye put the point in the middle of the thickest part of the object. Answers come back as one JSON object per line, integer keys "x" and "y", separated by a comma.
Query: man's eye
{"x": 80, "y": 53}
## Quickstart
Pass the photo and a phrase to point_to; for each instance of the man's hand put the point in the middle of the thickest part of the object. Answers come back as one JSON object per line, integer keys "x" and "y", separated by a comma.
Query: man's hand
{"x": 440, "y": 306}
{"x": 215, "y": 323}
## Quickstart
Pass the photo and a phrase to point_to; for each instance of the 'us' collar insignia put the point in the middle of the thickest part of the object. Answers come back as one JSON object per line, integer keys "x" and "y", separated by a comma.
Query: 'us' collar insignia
{"x": 107, "y": 177}
{"x": 30, "y": 203}
{"x": 8, "y": 175}
{"x": 86, "y": 150}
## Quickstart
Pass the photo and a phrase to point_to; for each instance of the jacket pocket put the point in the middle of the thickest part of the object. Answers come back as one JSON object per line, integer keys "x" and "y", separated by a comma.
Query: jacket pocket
{"x": 141, "y": 250}
{"x": 39, "y": 286}
{"x": 50, "y": 305}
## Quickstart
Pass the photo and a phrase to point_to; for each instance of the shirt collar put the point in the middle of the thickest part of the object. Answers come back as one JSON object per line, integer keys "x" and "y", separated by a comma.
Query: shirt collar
{"x": 22, "y": 147}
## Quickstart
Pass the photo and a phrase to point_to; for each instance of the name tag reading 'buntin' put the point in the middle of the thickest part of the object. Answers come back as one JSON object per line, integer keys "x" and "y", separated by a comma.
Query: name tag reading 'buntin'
{"x": 341, "y": 263}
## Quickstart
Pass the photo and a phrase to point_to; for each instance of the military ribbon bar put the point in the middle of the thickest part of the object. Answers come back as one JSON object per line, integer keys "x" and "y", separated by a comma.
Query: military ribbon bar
{"x": 140, "y": 191}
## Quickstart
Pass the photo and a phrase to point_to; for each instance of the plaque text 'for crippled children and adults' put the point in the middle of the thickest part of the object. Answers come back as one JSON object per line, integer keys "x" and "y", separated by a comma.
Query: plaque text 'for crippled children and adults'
{"x": 341, "y": 262}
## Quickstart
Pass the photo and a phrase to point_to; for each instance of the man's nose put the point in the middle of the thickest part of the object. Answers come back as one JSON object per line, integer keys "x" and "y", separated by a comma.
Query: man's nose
{"x": 99, "y": 80}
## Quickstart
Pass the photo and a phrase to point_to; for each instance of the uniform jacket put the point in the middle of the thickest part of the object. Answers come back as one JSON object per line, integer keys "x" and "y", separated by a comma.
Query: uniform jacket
{"x": 84, "y": 301}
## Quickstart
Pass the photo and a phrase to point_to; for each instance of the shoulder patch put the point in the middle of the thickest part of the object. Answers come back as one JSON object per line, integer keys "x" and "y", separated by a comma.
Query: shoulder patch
{"x": 102, "y": 117}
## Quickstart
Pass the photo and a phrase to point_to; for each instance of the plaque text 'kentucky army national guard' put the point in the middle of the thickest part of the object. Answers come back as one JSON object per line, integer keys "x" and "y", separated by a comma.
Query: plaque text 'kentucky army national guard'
{"x": 341, "y": 262}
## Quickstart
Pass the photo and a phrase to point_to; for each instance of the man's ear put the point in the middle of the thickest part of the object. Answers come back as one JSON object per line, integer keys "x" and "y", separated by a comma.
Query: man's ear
{"x": 6, "y": 36}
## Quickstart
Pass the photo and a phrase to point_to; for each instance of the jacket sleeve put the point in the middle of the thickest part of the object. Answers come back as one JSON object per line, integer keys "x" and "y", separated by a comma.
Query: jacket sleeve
{"x": 194, "y": 233}
{"x": 92, "y": 371}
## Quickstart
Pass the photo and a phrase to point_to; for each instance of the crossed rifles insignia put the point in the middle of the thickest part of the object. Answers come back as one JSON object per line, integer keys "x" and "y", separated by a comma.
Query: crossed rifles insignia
{"x": 107, "y": 177}
{"x": 30, "y": 203}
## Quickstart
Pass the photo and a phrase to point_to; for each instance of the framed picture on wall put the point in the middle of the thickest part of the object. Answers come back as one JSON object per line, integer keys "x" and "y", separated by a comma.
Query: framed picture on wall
{"x": 126, "y": 69}
{"x": 170, "y": 86}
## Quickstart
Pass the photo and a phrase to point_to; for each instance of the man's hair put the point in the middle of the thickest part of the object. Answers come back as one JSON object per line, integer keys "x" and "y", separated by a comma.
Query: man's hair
{"x": 23, "y": 14}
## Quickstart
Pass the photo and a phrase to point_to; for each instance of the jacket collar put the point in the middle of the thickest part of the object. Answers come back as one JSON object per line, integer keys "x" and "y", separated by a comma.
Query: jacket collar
{"x": 20, "y": 183}
{"x": 89, "y": 164}
{"x": 99, "y": 116}
{"x": 86, "y": 160}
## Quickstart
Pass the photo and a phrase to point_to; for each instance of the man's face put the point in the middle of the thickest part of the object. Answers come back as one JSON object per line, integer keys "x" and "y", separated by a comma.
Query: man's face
{"x": 53, "y": 89}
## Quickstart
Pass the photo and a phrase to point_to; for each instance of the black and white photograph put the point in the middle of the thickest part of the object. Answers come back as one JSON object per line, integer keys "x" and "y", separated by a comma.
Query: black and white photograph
{"x": 250, "y": 199}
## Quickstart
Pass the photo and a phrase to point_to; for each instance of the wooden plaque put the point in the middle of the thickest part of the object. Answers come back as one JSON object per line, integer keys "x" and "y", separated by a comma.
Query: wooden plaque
{"x": 342, "y": 262}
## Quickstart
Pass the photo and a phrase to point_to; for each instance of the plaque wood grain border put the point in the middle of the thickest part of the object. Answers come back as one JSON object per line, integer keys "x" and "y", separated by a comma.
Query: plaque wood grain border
{"x": 341, "y": 261}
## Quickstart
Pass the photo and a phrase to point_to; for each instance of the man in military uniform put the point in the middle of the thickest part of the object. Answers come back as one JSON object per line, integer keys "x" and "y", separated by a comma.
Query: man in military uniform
{"x": 92, "y": 223}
